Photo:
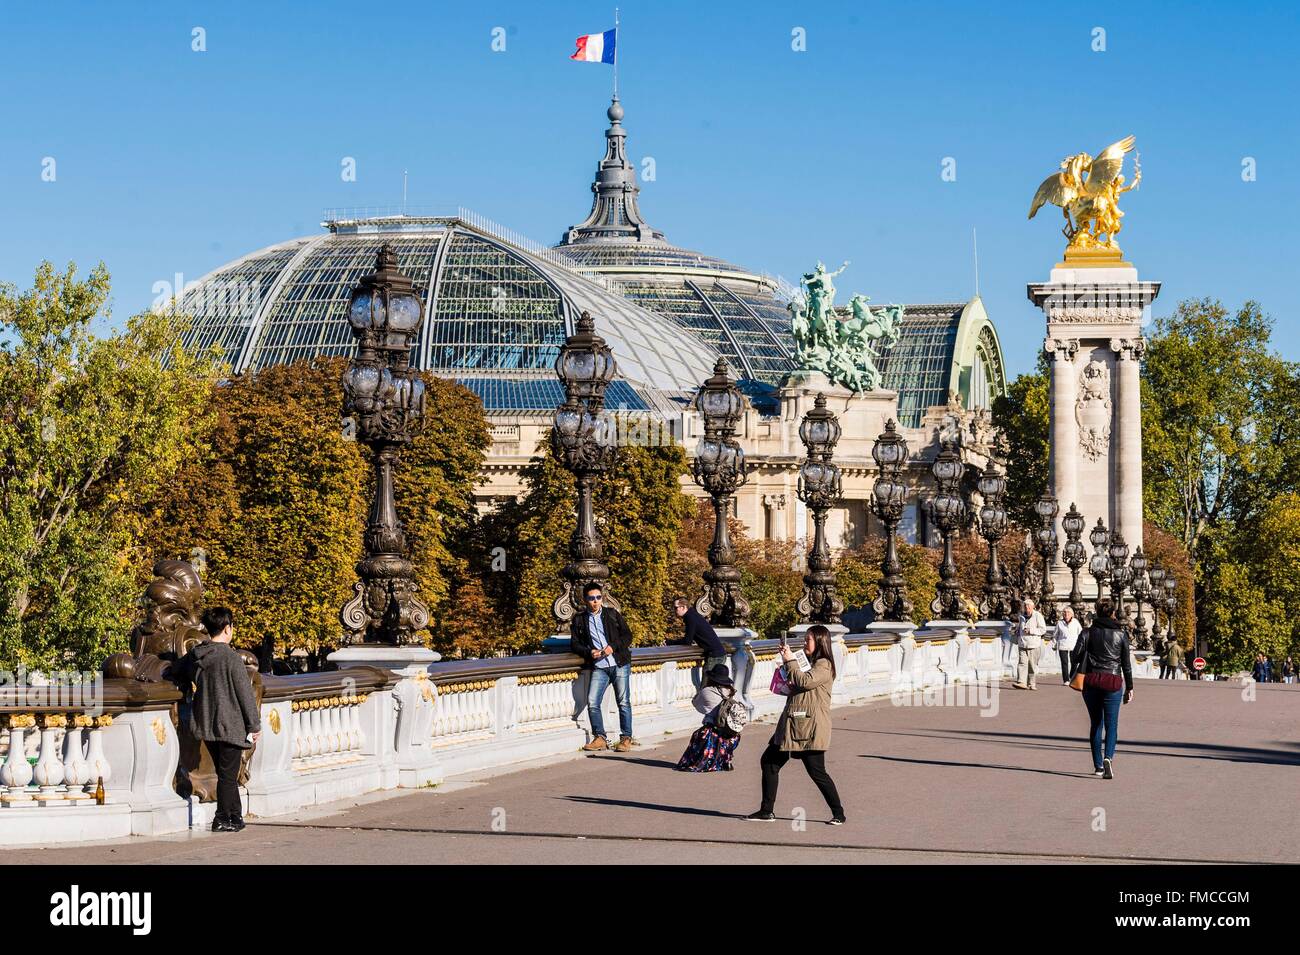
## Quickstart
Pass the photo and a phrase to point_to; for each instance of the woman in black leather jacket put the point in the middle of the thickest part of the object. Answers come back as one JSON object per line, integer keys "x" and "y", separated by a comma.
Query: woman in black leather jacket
{"x": 1103, "y": 656}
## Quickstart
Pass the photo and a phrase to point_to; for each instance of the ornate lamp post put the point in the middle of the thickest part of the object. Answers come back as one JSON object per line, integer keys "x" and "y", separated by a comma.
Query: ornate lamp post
{"x": 1099, "y": 563}
{"x": 1045, "y": 543}
{"x": 1141, "y": 590}
{"x": 580, "y": 439}
{"x": 887, "y": 500}
{"x": 1119, "y": 571}
{"x": 993, "y": 527}
{"x": 949, "y": 512}
{"x": 720, "y": 470}
{"x": 1157, "y": 577}
{"x": 386, "y": 399}
{"x": 1074, "y": 554}
{"x": 1171, "y": 604}
{"x": 820, "y": 489}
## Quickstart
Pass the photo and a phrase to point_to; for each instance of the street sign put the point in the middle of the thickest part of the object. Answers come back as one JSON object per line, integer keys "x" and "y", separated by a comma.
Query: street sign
{"x": 1198, "y": 663}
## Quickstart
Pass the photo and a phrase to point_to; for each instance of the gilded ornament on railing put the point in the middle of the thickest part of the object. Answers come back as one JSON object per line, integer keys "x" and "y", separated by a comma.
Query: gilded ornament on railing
{"x": 535, "y": 679}
{"x": 20, "y": 721}
{"x": 274, "y": 719}
{"x": 105, "y": 720}
{"x": 1088, "y": 189}
{"x": 81, "y": 720}
{"x": 160, "y": 731}
{"x": 53, "y": 720}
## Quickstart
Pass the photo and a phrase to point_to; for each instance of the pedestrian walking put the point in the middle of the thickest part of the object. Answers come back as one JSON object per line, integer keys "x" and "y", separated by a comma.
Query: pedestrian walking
{"x": 1173, "y": 660}
{"x": 713, "y": 746}
{"x": 1263, "y": 672}
{"x": 223, "y": 710}
{"x": 1064, "y": 639}
{"x": 1030, "y": 627}
{"x": 700, "y": 632}
{"x": 804, "y": 728}
{"x": 1104, "y": 658}
{"x": 1288, "y": 670}
{"x": 600, "y": 636}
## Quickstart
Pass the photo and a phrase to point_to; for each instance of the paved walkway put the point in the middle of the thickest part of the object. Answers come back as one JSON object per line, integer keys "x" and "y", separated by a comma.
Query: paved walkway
{"x": 1201, "y": 775}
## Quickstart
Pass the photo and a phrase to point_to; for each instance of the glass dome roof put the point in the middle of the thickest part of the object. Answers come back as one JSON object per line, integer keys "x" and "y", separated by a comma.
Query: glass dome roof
{"x": 492, "y": 306}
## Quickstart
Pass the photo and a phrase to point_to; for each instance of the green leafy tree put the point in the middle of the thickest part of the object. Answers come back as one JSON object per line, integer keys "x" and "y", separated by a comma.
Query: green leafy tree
{"x": 88, "y": 426}
{"x": 1209, "y": 381}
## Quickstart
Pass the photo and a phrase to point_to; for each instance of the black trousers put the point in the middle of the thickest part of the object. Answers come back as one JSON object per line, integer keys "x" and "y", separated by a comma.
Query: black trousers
{"x": 1065, "y": 665}
{"x": 814, "y": 761}
{"x": 225, "y": 756}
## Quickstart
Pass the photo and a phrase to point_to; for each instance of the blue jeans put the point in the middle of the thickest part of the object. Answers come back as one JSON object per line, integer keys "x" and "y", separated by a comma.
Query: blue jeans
{"x": 601, "y": 677}
{"x": 1102, "y": 707}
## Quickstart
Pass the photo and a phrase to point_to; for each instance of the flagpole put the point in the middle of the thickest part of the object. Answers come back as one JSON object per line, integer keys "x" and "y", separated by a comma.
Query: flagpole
{"x": 616, "y": 53}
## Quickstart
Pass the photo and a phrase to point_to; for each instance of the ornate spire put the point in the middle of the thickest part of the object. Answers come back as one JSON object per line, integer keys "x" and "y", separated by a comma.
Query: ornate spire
{"x": 615, "y": 215}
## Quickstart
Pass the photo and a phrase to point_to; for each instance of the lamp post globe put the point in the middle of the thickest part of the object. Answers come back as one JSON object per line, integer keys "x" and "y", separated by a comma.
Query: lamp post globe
{"x": 1156, "y": 575}
{"x": 820, "y": 488}
{"x": 583, "y": 443}
{"x": 386, "y": 399}
{"x": 1119, "y": 571}
{"x": 948, "y": 508}
{"x": 887, "y": 500}
{"x": 720, "y": 469}
{"x": 993, "y": 523}
{"x": 1045, "y": 543}
{"x": 1141, "y": 588}
{"x": 1074, "y": 554}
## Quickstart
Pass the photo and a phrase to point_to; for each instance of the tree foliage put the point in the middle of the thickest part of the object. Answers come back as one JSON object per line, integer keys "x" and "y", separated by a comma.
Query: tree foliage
{"x": 88, "y": 426}
{"x": 278, "y": 502}
{"x": 639, "y": 508}
{"x": 1021, "y": 418}
{"x": 1215, "y": 398}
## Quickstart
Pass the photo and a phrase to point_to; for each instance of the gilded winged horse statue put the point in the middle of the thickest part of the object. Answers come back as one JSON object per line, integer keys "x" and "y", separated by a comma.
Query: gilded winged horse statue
{"x": 1088, "y": 189}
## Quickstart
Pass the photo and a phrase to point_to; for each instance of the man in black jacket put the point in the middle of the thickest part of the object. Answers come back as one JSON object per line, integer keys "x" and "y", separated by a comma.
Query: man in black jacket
{"x": 601, "y": 637}
{"x": 700, "y": 632}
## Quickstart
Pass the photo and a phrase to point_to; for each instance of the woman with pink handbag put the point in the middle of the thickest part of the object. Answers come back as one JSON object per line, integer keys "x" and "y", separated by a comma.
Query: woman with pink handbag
{"x": 804, "y": 729}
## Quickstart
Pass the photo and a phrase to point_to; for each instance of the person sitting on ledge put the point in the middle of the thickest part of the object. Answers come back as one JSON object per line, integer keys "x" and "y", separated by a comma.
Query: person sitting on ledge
{"x": 708, "y": 751}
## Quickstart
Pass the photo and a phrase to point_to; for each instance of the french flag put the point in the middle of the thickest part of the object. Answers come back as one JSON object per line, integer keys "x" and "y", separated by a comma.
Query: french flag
{"x": 596, "y": 47}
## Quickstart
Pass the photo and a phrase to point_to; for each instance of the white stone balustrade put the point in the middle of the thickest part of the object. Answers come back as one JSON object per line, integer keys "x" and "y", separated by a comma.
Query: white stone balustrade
{"x": 332, "y": 735}
{"x": 324, "y": 731}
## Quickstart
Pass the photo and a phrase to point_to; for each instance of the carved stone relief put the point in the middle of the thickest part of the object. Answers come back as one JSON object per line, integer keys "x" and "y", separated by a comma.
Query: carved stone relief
{"x": 1092, "y": 409}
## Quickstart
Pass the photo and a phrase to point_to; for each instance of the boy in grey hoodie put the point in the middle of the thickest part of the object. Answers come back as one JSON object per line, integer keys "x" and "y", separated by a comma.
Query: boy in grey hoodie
{"x": 224, "y": 712}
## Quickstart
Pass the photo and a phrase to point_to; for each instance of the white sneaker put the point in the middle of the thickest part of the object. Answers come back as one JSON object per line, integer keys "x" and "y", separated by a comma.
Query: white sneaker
{"x": 1108, "y": 772}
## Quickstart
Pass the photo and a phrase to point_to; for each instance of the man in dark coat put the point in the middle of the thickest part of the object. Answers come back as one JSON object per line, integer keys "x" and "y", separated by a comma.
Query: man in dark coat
{"x": 600, "y": 636}
{"x": 223, "y": 713}
{"x": 700, "y": 632}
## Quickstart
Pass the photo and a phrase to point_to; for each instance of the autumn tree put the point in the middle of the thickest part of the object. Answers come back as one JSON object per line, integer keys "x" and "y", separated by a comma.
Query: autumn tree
{"x": 639, "y": 507}
{"x": 277, "y": 500}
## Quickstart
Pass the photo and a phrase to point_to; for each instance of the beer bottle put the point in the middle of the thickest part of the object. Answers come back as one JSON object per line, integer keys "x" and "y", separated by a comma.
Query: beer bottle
{"x": 99, "y": 792}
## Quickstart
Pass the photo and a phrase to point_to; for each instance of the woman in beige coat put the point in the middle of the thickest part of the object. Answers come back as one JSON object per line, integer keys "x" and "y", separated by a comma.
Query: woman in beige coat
{"x": 804, "y": 729}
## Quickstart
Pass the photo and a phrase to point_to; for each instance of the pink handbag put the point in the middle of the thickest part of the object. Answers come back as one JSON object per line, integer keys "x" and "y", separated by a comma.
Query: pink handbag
{"x": 779, "y": 685}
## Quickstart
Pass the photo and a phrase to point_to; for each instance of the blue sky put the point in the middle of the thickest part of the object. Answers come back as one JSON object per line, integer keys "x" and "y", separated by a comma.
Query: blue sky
{"x": 175, "y": 161}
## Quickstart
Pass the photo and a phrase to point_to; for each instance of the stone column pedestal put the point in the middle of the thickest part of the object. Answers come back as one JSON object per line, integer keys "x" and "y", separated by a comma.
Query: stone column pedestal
{"x": 902, "y": 655}
{"x": 1094, "y": 306}
{"x": 414, "y": 700}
